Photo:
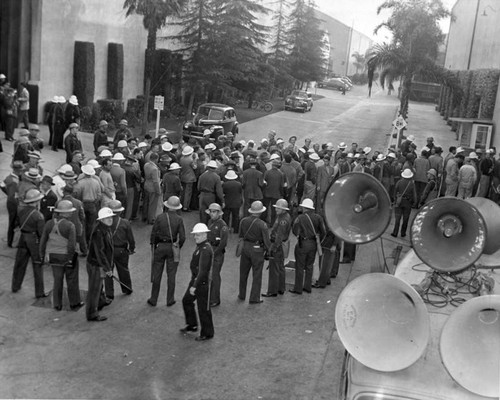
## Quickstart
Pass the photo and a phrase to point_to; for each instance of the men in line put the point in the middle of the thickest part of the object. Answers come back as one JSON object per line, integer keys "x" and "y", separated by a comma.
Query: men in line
{"x": 199, "y": 286}
{"x": 255, "y": 236}
{"x": 31, "y": 223}
{"x": 57, "y": 248}
{"x": 280, "y": 246}
{"x": 123, "y": 246}
{"x": 99, "y": 264}
{"x": 167, "y": 238}
{"x": 308, "y": 227}
{"x": 217, "y": 237}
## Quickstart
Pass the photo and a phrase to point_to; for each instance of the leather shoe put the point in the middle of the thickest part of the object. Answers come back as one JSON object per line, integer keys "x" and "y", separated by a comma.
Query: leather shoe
{"x": 58, "y": 308}
{"x": 202, "y": 338}
{"x": 42, "y": 296}
{"x": 317, "y": 286}
{"x": 99, "y": 318}
{"x": 189, "y": 328}
{"x": 256, "y": 302}
{"x": 215, "y": 304}
{"x": 269, "y": 295}
{"x": 171, "y": 304}
{"x": 281, "y": 293}
{"x": 76, "y": 307}
{"x": 241, "y": 299}
{"x": 294, "y": 291}
{"x": 305, "y": 290}
{"x": 394, "y": 235}
{"x": 151, "y": 303}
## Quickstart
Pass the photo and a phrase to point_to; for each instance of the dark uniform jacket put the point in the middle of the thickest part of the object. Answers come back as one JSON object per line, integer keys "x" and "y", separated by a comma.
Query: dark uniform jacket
{"x": 281, "y": 230}
{"x": 100, "y": 139}
{"x": 232, "y": 194}
{"x": 406, "y": 186}
{"x": 275, "y": 182}
{"x": 303, "y": 229}
{"x": 66, "y": 229}
{"x": 78, "y": 217}
{"x": 31, "y": 220}
{"x": 209, "y": 182}
{"x": 161, "y": 231}
{"x": 218, "y": 235}
{"x": 47, "y": 204}
{"x": 254, "y": 230}
{"x": 201, "y": 263}
{"x": 71, "y": 144}
{"x": 101, "y": 247}
{"x": 252, "y": 182}
{"x": 123, "y": 237}
{"x": 171, "y": 185}
{"x": 310, "y": 171}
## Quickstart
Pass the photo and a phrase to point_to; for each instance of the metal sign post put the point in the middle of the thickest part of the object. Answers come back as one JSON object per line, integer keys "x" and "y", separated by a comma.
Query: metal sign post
{"x": 158, "y": 106}
{"x": 399, "y": 123}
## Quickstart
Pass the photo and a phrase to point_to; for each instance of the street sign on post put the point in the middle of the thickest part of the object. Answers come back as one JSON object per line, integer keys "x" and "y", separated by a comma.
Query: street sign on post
{"x": 399, "y": 124}
{"x": 158, "y": 106}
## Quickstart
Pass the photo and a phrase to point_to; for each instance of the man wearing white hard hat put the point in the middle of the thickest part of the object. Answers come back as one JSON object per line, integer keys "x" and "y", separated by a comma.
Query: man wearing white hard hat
{"x": 72, "y": 111}
{"x": 405, "y": 196}
{"x": 119, "y": 177}
{"x": 188, "y": 165}
{"x": 254, "y": 234}
{"x": 233, "y": 192}
{"x": 99, "y": 264}
{"x": 171, "y": 182}
{"x": 166, "y": 240}
{"x": 452, "y": 166}
{"x": 108, "y": 185}
{"x": 199, "y": 286}
{"x": 311, "y": 172}
{"x": 210, "y": 189}
{"x": 31, "y": 224}
{"x": 310, "y": 230}
{"x": 467, "y": 177}
{"x": 280, "y": 246}
{"x": 58, "y": 249}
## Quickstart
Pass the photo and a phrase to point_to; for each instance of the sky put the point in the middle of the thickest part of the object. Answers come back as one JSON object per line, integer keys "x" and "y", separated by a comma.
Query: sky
{"x": 363, "y": 15}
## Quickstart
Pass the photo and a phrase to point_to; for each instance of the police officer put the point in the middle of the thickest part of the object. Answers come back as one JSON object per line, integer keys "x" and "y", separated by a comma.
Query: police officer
{"x": 280, "y": 245}
{"x": 31, "y": 222}
{"x": 57, "y": 248}
{"x": 210, "y": 188}
{"x": 255, "y": 235}
{"x": 168, "y": 232}
{"x": 217, "y": 238}
{"x": 99, "y": 263}
{"x": 306, "y": 227}
{"x": 199, "y": 286}
{"x": 123, "y": 246}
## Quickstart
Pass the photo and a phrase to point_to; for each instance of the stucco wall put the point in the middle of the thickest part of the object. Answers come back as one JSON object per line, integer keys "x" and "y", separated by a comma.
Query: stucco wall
{"x": 486, "y": 47}
{"x": 99, "y": 21}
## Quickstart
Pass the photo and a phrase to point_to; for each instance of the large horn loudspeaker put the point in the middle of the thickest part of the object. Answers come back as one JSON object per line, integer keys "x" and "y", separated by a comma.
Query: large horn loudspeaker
{"x": 491, "y": 215}
{"x": 448, "y": 234}
{"x": 357, "y": 208}
{"x": 382, "y": 322}
{"x": 470, "y": 345}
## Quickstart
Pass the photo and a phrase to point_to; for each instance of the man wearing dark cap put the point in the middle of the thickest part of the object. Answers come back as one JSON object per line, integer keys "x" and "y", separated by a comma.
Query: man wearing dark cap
{"x": 123, "y": 132}
{"x": 72, "y": 143}
{"x": 101, "y": 136}
{"x": 255, "y": 236}
{"x": 49, "y": 200}
{"x": 217, "y": 238}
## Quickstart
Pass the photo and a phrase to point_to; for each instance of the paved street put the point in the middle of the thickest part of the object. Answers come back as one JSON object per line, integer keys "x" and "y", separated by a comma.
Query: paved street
{"x": 285, "y": 348}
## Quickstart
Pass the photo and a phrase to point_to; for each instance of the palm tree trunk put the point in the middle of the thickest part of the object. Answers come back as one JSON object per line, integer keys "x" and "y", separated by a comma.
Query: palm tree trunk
{"x": 405, "y": 96}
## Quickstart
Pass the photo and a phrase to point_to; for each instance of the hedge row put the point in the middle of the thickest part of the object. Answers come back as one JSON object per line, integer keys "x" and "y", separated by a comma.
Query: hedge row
{"x": 115, "y": 71}
{"x": 474, "y": 98}
{"x": 84, "y": 73}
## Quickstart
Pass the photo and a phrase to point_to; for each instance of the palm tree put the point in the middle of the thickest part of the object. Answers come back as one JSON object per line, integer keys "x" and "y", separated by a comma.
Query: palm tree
{"x": 413, "y": 50}
{"x": 359, "y": 62}
{"x": 155, "y": 14}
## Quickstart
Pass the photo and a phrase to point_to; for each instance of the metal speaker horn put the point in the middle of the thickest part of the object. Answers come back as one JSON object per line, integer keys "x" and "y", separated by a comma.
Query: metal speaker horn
{"x": 357, "y": 208}
{"x": 448, "y": 234}
{"x": 382, "y": 322}
{"x": 470, "y": 345}
{"x": 491, "y": 215}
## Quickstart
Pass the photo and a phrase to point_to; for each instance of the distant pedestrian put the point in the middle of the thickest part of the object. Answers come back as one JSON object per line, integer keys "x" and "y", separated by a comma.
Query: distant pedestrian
{"x": 199, "y": 286}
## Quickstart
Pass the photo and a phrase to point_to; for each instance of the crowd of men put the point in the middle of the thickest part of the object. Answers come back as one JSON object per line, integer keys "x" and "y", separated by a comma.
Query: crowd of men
{"x": 261, "y": 191}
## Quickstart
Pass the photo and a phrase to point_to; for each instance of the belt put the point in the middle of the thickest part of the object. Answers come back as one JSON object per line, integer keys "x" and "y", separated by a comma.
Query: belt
{"x": 121, "y": 247}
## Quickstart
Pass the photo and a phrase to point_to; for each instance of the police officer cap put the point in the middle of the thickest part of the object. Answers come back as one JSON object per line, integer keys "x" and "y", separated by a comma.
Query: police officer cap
{"x": 173, "y": 203}
{"x": 65, "y": 206}
{"x": 116, "y": 206}
{"x": 214, "y": 207}
{"x": 257, "y": 208}
{"x": 307, "y": 203}
{"x": 105, "y": 212}
{"x": 282, "y": 204}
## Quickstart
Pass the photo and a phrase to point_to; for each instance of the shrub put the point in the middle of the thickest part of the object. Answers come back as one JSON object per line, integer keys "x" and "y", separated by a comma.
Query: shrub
{"x": 84, "y": 73}
{"x": 115, "y": 71}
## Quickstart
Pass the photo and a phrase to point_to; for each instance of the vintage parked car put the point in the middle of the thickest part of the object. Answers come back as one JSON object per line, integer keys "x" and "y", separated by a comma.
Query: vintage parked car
{"x": 210, "y": 121}
{"x": 299, "y": 100}
{"x": 335, "y": 83}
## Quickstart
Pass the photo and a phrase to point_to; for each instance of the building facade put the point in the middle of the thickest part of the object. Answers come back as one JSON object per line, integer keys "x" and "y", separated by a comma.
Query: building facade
{"x": 37, "y": 45}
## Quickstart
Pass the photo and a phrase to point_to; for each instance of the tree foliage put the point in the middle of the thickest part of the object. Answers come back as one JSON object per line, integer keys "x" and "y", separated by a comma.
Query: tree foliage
{"x": 413, "y": 50}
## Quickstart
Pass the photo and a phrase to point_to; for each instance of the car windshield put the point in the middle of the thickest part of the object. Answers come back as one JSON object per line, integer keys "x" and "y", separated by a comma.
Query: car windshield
{"x": 210, "y": 113}
{"x": 298, "y": 93}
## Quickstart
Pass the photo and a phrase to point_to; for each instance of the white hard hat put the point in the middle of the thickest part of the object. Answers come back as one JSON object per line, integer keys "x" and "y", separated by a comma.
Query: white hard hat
{"x": 186, "y": 151}
{"x": 212, "y": 164}
{"x": 118, "y": 157}
{"x": 307, "y": 203}
{"x": 93, "y": 163}
{"x": 142, "y": 144}
{"x": 105, "y": 153}
{"x": 210, "y": 146}
{"x": 167, "y": 146}
{"x": 105, "y": 212}
{"x": 174, "y": 166}
{"x": 200, "y": 228}
{"x": 274, "y": 156}
{"x": 122, "y": 143}
{"x": 64, "y": 168}
{"x": 88, "y": 169}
